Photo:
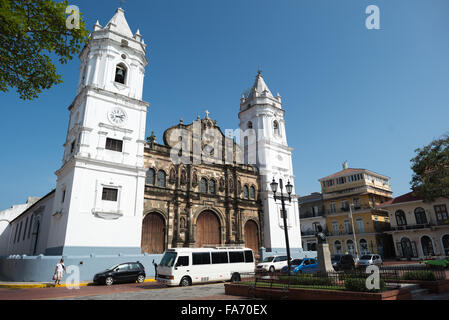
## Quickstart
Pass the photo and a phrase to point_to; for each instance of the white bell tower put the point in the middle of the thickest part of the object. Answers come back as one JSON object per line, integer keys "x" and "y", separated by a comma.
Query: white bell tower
{"x": 269, "y": 151}
{"x": 100, "y": 186}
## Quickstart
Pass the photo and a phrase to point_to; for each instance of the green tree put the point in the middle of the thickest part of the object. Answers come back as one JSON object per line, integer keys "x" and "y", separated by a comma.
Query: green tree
{"x": 31, "y": 32}
{"x": 431, "y": 170}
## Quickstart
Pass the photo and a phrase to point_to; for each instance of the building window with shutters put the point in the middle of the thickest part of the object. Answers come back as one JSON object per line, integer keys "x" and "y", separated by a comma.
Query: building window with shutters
{"x": 441, "y": 213}
{"x": 161, "y": 178}
{"x": 114, "y": 144}
{"x": 252, "y": 192}
{"x": 203, "y": 185}
{"x": 150, "y": 177}
{"x": 109, "y": 194}
{"x": 212, "y": 186}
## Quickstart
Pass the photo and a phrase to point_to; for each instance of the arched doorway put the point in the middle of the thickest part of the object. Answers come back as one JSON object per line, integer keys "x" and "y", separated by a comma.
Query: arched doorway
{"x": 445, "y": 241}
{"x": 407, "y": 250}
{"x": 252, "y": 236}
{"x": 153, "y": 233}
{"x": 207, "y": 229}
{"x": 427, "y": 246}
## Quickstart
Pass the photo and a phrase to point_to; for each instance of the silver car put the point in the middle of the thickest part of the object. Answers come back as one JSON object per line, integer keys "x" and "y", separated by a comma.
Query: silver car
{"x": 368, "y": 260}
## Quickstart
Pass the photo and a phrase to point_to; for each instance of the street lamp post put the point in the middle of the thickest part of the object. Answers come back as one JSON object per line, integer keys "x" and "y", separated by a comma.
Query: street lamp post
{"x": 353, "y": 231}
{"x": 289, "y": 188}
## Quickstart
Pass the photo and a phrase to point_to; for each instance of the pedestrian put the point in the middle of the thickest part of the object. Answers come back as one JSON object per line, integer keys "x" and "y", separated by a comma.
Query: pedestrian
{"x": 155, "y": 269}
{"x": 60, "y": 268}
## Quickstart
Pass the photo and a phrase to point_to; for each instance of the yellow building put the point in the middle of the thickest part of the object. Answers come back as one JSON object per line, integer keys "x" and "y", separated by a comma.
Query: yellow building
{"x": 360, "y": 192}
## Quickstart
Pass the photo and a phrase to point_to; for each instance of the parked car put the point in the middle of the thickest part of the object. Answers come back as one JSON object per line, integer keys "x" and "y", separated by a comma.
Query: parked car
{"x": 293, "y": 263}
{"x": 123, "y": 272}
{"x": 335, "y": 259}
{"x": 343, "y": 262}
{"x": 272, "y": 263}
{"x": 307, "y": 265}
{"x": 368, "y": 260}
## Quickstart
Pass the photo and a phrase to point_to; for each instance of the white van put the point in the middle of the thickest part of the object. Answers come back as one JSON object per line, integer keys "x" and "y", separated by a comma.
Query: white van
{"x": 186, "y": 266}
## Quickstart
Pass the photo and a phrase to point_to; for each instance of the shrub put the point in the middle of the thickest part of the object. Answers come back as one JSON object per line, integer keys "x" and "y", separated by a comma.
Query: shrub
{"x": 419, "y": 275}
{"x": 359, "y": 285}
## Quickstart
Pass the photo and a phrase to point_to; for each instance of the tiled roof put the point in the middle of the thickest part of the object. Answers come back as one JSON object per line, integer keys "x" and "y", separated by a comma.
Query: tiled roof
{"x": 408, "y": 197}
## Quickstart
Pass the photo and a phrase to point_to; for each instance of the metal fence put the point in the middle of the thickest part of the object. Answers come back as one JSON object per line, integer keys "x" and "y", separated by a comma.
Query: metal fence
{"x": 389, "y": 276}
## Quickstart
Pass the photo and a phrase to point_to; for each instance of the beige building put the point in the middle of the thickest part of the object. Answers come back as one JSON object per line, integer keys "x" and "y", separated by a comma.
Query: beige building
{"x": 420, "y": 230}
{"x": 361, "y": 192}
{"x": 195, "y": 205}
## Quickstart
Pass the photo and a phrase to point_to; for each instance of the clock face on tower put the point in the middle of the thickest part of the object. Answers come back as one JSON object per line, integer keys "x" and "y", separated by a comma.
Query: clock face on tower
{"x": 117, "y": 116}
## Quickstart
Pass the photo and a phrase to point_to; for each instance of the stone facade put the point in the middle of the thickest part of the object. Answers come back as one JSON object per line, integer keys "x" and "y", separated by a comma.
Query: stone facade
{"x": 228, "y": 190}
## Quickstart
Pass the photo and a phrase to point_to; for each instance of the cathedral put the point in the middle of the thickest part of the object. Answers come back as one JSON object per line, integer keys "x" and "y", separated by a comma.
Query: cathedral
{"x": 118, "y": 193}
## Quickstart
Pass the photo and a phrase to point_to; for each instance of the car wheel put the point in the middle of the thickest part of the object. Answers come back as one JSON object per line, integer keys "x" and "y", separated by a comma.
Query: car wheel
{"x": 140, "y": 278}
{"x": 272, "y": 269}
{"x": 185, "y": 282}
{"x": 109, "y": 281}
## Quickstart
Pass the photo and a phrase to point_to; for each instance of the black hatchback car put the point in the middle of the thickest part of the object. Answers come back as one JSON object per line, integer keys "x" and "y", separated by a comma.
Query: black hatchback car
{"x": 123, "y": 272}
{"x": 343, "y": 262}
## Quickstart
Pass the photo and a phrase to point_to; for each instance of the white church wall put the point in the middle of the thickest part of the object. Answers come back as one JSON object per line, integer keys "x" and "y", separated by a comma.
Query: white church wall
{"x": 29, "y": 231}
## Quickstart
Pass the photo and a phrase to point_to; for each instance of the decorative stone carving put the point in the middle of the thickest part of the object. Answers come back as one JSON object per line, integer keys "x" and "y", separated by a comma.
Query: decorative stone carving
{"x": 194, "y": 179}
{"x": 172, "y": 176}
{"x": 183, "y": 176}
{"x": 221, "y": 185}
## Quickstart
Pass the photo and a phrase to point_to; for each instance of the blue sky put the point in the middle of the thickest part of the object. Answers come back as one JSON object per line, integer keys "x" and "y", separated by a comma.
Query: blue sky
{"x": 366, "y": 96}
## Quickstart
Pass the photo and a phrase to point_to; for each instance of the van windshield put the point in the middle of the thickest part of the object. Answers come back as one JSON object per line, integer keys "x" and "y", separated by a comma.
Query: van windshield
{"x": 168, "y": 259}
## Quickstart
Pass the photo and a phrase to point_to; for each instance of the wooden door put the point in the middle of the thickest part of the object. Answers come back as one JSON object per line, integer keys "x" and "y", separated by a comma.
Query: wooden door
{"x": 207, "y": 229}
{"x": 153, "y": 233}
{"x": 252, "y": 236}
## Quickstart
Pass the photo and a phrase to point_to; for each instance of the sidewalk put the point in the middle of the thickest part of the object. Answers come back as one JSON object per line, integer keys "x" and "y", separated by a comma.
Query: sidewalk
{"x": 23, "y": 285}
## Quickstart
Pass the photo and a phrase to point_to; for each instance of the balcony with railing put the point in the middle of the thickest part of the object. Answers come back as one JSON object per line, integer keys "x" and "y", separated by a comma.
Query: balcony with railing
{"x": 313, "y": 232}
{"x": 355, "y": 209}
{"x": 410, "y": 227}
{"x": 310, "y": 214}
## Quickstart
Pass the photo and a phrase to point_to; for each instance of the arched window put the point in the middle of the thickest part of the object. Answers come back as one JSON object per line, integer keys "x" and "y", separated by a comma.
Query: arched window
{"x": 363, "y": 246}
{"x": 120, "y": 73}
{"x": 250, "y": 125}
{"x": 445, "y": 241}
{"x": 400, "y": 218}
{"x": 337, "y": 247}
{"x": 245, "y": 191}
{"x": 420, "y": 216}
{"x": 150, "y": 177}
{"x": 161, "y": 177}
{"x": 407, "y": 248}
{"x": 276, "y": 127}
{"x": 427, "y": 246}
{"x": 203, "y": 185}
{"x": 252, "y": 192}
{"x": 350, "y": 246}
{"x": 212, "y": 186}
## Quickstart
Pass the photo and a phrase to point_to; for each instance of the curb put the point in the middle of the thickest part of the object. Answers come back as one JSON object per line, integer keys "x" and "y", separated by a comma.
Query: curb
{"x": 49, "y": 285}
